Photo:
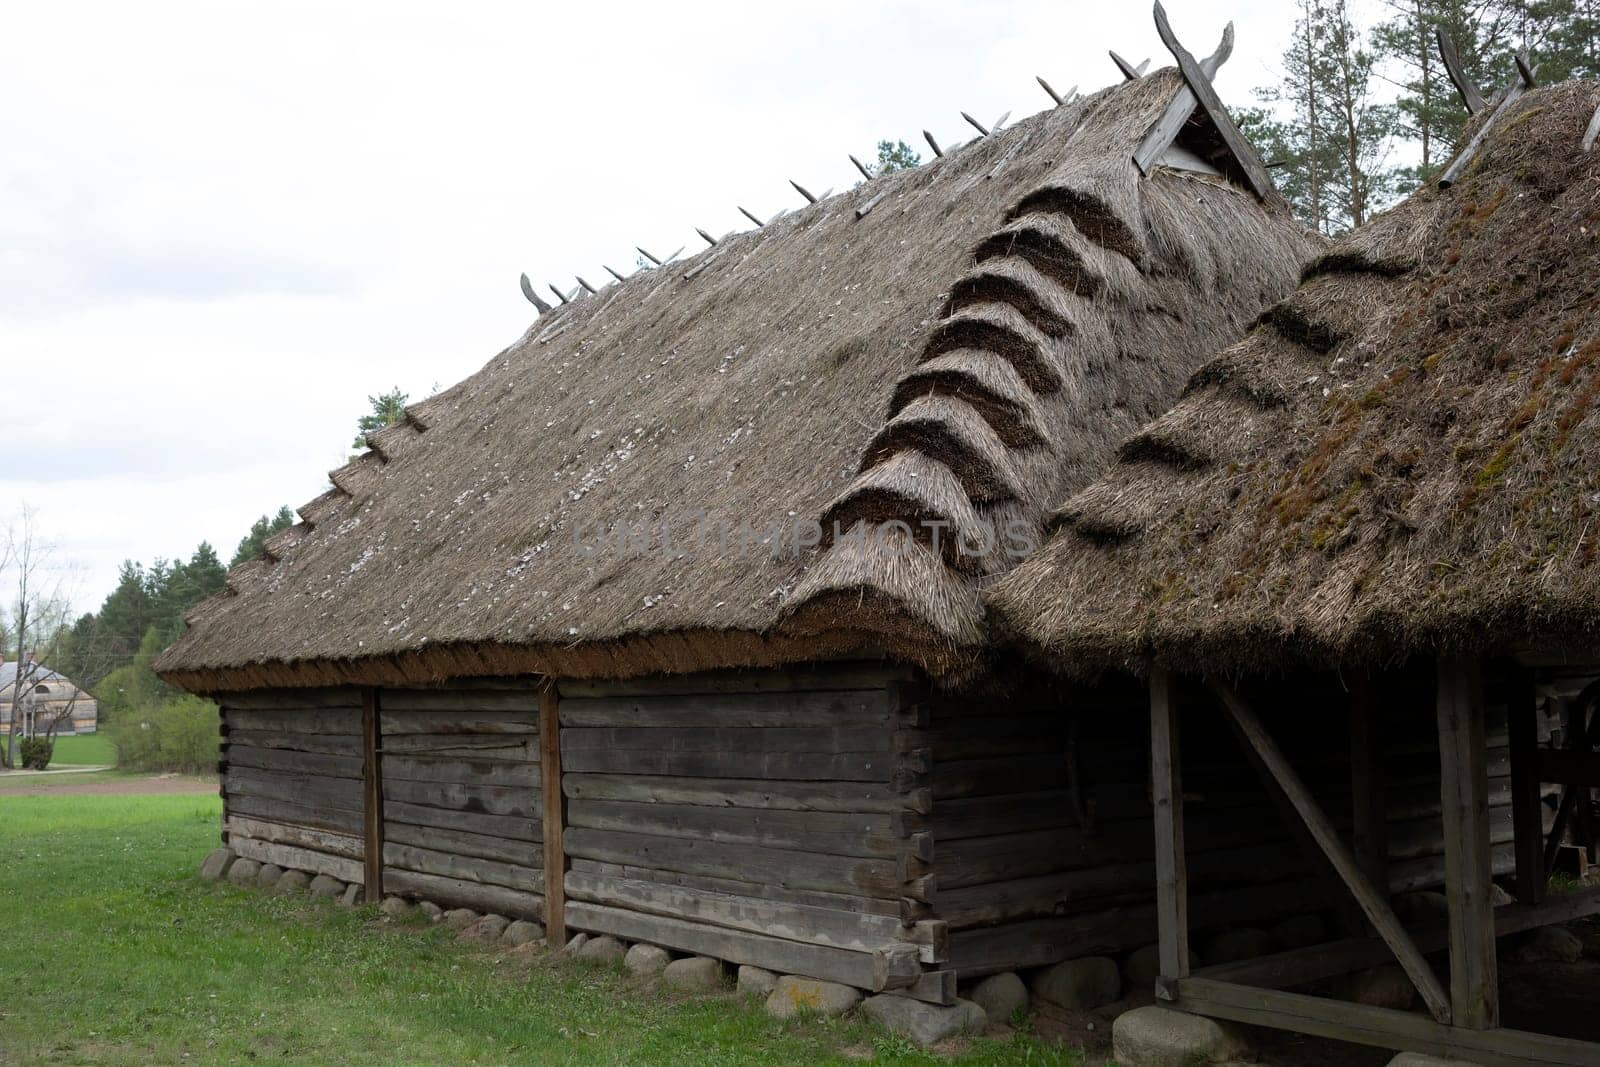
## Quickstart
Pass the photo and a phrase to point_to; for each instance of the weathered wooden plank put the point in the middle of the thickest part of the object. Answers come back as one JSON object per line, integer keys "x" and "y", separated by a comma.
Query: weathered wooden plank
{"x": 955, "y": 820}
{"x": 296, "y": 701}
{"x": 310, "y": 720}
{"x": 474, "y": 772}
{"x": 805, "y": 766}
{"x": 1474, "y": 980}
{"x": 460, "y": 867}
{"x": 742, "y": 793}
{"x": 271, "y": 809}
{"x": 520, "y": 704}
{"x": 1428, "y": 873}
{"x": 855, "y": 676}
{"x": 334, "y": 844}
{"x": 735, "y": 946}
{"x": 1166, "y": 795}
{"x": 300, "y": 788}
{"x": 525, "y": 853}
{"x": 553, "y": 814}
{"x": 454, "y": 893}
{"x": 1373, "y": 904}
{"x": 505, "y": 827}
{"x": 821, "y": 740}
{"x": 799, "y": 870}
{"x": 987, "y": 777}
{"x": 1382, "y": 1027}
{"x": 1424, "y": 837}
{"x": 291, "y": 741}
{"x": 1471, "y": 96}
{"x": 270, "y": 759}
{"x": 1464, "y": 158}
{"x": 491, "y": 800}
{"x": 808, "y": 831}
{"x": 1172, "y": 121}
{"x": 514, "y": 723}
{"x": 795, "y": 922}
{"x": 897, "y": 909}
{"x": 842, "y": 708}
{"x": 300, "y": 859}
{"x": 522, "y": 748}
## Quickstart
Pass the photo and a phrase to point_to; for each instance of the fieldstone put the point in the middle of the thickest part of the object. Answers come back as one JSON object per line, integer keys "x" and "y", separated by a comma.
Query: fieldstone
{"x": 1244, "y": 943}
{"x": 268, "y": 875}
{"x": 395, "y": 907}
{"x": 1299, "y": 931}
{"x": 292, "y": 882}
{"x": 488, "y": 928}
{"x": 1498, "y": 897}
{"x": 460, "y": 918}
{"x": 214, "y": 868}
{"x": 575, "y": 945}
{"x": 756, "y": 981}
{"x": 1001, "y": 996}
{"x": 604, "y": 949}
{"x": 325, "y": 885}
{"x": 353, "y": 894}
{"x": 523, "y": 932}
{"x": 1143, "y": 966}
{"x": 1385, "y": 986}
{"x": 1079, "y": 985}
{"x": 1425, "y": 907}
{"x": 1419, "y": 1059}
{"x": 646, "y": 959}
{"x": 924, "y": 1024}
{"x": 243, "y": 872}
{"x": 793, "y": 995}
{"x": 1154, "y": 1036}
{"x": 1547, "y": 944}
{"x": 700, "y": 974}
{"x": 431, "y": 910}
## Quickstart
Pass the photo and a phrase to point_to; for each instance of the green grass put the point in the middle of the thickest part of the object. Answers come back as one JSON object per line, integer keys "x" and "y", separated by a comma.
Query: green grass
{"x": 122, "y": 955}
{"x": 83, "y": 750}
{"x": 12, "y": 782}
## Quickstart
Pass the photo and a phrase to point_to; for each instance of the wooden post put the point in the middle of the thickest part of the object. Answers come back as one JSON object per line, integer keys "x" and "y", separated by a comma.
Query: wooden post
{"x": 372, "y": 807}
{"x": 1369, "y": 802}
{"x": 1463, "y": 765}
{"x": 1166, "y": 794}
{"x": 1527, "y": 818}
{"x": 554, "y": 816}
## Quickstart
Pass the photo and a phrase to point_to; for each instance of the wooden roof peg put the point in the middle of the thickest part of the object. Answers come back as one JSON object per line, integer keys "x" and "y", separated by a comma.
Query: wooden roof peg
{"x": 1498, "y": 107}
{"x": 1046, "y": 87}
{"x": 1166, "y": 129}
{"x": 710, "y": 240}
{"x": 1471, "y": 96}
{"x": 937, "y": 151}
{"x": 996, "y": 125}
{"x": 533, "y": 298}
{"x": 614, "y": 274}
{"x": 1593, "y": 132}
{"x": 751, "y": 216}
{"x": 564, "y": 298}
{"x": 1244, "y": 154}
{"x": 803, "y": 191}
{"x": 586, "y": 286}
{"x": 1129, "y": 71}
{"x": 646, "y": 255}
{"x": 672, "y": 255}
{"x": 862, "y": 167}
{"x": 983, "y": 130}
{"x": 1526, "y": 69}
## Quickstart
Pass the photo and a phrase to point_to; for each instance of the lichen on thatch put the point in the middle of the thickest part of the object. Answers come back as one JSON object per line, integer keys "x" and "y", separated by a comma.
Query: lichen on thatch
{"x": 1019, "y": 305}
{"x": 1401, "y": 458}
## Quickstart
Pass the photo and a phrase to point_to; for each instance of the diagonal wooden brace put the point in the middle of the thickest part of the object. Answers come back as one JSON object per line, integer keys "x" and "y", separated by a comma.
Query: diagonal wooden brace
{"x": 1172, "y": 120}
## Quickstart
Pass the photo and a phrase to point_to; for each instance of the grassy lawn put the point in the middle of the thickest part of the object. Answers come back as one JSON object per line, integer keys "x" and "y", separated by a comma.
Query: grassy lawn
{"x": 83, "y": 749}
{"x": 126, "y": 957}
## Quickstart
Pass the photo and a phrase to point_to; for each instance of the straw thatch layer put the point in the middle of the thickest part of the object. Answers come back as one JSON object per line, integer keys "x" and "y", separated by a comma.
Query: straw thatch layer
{"x": 635, "y": 485}
{"x": 1403, "y": 458}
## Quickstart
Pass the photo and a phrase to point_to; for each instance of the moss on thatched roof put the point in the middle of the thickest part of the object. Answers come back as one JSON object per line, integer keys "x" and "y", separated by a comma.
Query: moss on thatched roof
{"x": 1403, "y": 456}
{"x": 969, "y": 348}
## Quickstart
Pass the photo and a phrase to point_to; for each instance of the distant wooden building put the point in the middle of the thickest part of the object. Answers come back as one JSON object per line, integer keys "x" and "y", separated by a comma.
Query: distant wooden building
{"x": 638, "y": 629}
{"x": 1367, "y": 540}
{"x": 47, "y": 698}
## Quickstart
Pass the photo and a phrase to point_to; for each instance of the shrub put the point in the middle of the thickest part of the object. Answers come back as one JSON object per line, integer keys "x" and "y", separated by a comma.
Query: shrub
{"x": 180, "y": 735}
{"x": 36, "y": 752}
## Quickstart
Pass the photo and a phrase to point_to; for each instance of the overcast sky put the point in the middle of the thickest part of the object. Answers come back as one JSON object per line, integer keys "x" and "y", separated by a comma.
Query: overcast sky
{"x": 222, "y": 225}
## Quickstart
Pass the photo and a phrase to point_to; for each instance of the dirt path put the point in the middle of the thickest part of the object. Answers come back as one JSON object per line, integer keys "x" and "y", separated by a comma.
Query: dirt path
{"x": 134, "y": 785}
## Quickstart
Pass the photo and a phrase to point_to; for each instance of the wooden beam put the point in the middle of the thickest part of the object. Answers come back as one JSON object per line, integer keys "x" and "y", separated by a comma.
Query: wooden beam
{"x": 1129, "y": 71}
{"x": 1471, "y": 97}
{"x": 554, "y": 816}
{"x": 372, "y": 802}
{"x": 1522, "y": 720}
{"x": 1381, "y": 1027}
{"x": 1464, "y": 158}
{"x": 1243, "y": 152}
{"x": 1055, "y": 96}
{"x": 1464, "y": 799}
{"x": 1368, "y": 799}
{"x": 1374, "y": 904}
{"x": 1171, "y": 123}
{"x": 1591, "y": 134}
{"x": 1166, "y": 793}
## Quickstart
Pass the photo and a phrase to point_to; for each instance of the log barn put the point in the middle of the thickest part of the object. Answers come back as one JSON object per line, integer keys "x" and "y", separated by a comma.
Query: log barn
{"x": 668, "y": 623}
{"x": 1366, "y": 538}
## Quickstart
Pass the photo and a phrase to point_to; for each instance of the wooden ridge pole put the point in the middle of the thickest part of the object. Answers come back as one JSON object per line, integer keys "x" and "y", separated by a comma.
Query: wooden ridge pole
{"x": 554, "y": 815}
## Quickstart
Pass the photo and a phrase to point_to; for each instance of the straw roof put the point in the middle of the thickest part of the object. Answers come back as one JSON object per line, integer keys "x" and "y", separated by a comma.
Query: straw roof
{"x": 1402, "y": 458}
{"x": 965, "y": 340}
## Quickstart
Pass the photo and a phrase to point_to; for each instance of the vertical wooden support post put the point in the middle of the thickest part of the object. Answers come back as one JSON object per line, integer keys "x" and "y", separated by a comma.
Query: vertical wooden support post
{"x": 1166, "y": 794}
{"x": 1369, "y": 799}
{"x": 372, "y": 808}
{"x": 1527, "y": 818}
{"x": 1463, "y": 765}
{"x": 554, "y": 815}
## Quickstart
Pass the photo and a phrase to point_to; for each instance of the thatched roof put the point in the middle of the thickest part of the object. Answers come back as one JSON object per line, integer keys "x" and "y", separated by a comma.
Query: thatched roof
{"x": 1403, "y": 457}
{"x": 965, "y": 340}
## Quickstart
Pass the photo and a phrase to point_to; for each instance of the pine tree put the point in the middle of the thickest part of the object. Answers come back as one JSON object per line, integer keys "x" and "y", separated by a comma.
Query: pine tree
{"x": 1363, "y": 128}
{"x": 1429, "y": 111}
{"x": 254, "y": 543}
{"x": 896, "y": 155}
{"x": 387, "y": 409}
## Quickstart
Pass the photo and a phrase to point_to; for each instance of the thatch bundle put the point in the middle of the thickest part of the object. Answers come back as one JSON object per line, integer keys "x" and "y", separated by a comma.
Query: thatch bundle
{"x": 629, "y": 487}
{"x": 1402, "y": 457}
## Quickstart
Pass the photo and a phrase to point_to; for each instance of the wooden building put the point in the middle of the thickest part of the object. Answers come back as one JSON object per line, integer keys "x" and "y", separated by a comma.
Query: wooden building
{"x": 1366, "y": 536}
{"x": 636, "y": 629}
{"x": 48, "y": 699}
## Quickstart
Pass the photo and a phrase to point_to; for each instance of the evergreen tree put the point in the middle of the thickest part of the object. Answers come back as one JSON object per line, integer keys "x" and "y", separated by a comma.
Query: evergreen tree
{"x": 387, "y": 409}
{"x": 1429, "y": 111}
{"x": 253, "y": 546}
{"x": 896, "y": 155}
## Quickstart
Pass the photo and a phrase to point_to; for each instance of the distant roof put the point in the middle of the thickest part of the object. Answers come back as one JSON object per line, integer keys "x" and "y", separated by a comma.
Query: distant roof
{"x": 1403, "y": 458}
{"x": 963, "y": 342}
{"x": 8, "y": 675}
